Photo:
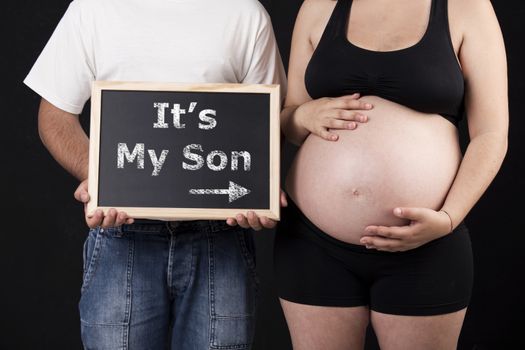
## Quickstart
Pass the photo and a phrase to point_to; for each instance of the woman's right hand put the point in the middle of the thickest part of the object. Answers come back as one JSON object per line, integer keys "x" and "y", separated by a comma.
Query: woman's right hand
{"x": 321, "y": 115}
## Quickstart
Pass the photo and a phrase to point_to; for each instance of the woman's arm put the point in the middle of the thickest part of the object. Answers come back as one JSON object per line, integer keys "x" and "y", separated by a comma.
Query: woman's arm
{"x": 301, "y": 115}
{"x": 483, "y": 61}
{"x": 484, "y": 65}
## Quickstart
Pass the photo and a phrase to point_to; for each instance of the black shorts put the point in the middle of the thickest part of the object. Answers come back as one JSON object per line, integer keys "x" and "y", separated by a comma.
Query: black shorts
{"x": 314, "y": 268}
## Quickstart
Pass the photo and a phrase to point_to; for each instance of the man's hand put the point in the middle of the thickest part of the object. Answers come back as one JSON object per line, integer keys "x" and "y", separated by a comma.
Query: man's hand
{"x": 251, "y": 220}
{"x": 113, "y": 218}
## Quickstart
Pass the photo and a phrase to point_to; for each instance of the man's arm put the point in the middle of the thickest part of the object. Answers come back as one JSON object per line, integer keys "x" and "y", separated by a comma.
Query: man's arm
{"x": 63, "y": 136}
{"x": 264, "y": 66}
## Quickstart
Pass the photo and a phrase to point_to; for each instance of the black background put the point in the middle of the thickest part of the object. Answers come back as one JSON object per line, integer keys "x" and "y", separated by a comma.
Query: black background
{"x": 242, "y": 124}
{"x": 43, "y": 229}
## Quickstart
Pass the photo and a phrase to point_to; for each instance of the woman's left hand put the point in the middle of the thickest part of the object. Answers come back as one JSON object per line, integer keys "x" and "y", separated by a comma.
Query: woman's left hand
{"x": 425, "y": 225}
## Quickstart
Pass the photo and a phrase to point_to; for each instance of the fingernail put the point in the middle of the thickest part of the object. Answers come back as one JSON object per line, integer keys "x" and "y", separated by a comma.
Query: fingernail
{"x": 352, "y": 125}
{"x": 368, "y": 105}
{"x": 334, "y": 137}
{"x": 362, "y": 118}
{"x": 397, "y": 211}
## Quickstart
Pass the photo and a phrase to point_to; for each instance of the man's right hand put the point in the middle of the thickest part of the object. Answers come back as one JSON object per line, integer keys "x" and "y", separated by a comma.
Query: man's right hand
{"x": 113, "y": 218}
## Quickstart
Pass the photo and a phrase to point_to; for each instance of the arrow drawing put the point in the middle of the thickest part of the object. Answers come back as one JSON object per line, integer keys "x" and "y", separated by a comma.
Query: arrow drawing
{"x": 234, "y": 192}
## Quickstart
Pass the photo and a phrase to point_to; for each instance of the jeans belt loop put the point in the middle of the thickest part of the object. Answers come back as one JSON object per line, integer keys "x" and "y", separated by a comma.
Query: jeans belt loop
{"x": 172, "y": 226}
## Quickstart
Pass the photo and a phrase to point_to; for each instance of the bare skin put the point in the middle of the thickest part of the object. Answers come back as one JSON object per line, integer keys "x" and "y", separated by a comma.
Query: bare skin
{"x": 394, "y": 332}
{"x": 401, "y": 157}
{"x": 421, "y": 332}
{"x": 63, "y": 136}
{"x": 385, "y": 25}
{"x": 328, "y": 328}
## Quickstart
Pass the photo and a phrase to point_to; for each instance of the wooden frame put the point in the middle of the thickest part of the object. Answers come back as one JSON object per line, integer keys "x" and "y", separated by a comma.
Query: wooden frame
{"x": 185, "y": 213}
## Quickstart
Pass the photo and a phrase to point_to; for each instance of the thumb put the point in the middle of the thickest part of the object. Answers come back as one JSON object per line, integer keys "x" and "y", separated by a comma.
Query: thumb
{"x": 414, "y": 214}
{"x": 81, "y": 193}
{"x": 84, "y": 196}
{"x": 284, "y": 201}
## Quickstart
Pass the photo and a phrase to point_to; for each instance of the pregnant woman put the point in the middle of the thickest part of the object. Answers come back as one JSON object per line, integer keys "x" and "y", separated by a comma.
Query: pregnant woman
{"x": 379, "y": 187}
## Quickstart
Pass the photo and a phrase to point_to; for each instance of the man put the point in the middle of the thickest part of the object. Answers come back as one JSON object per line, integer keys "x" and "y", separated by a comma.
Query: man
{"x": 149, "y": 284}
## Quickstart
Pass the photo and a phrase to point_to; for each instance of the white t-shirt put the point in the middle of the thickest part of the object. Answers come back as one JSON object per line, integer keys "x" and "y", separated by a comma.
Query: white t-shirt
{"x": 185, "y": 41}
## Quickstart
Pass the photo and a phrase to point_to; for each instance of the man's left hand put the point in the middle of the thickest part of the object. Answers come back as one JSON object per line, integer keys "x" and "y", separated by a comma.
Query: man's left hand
{"x": 253, "y": 221}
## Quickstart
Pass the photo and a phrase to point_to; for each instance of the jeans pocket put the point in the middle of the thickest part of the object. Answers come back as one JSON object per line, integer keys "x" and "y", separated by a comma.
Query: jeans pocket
{"x": 233, "y": 290}
{"x": 90, "y": 255}
{"x": 247, "y": 248}
{"x": 232, "y": 332}
{"x": 106, "y": 289}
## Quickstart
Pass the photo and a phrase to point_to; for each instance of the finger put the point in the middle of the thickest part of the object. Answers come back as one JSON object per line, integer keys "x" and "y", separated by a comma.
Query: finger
{"x": 110, "y": 218}
{"x": 267, "y": 223}
{"x": 253, "y": 220}
{"x": 121, "y": 218}
{"x": 415, "y": 214}
{"x": 341, "y": 124}
{"x": 346, "y": 103}
{"x": 231, "y": 221}
{"x": 284, "y": 201}
{"x": 95, "y": 219}
{"x": 354, "y": 96}
{"x": 395, "y": 232}
{"x": 129, "y": 221}
{"x": 381, "y": 243}
{"x": 350, "y": 115}
{"x": 84, "y": 196}
{"x": 242, "y": 221}
{"x": 76, "y": 194}
{"x": 81, "y": 194}
{"x": 325, "y": 134}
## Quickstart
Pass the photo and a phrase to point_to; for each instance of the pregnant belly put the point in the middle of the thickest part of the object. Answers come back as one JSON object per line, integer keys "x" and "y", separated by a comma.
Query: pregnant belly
{"x": 400, "y": 157}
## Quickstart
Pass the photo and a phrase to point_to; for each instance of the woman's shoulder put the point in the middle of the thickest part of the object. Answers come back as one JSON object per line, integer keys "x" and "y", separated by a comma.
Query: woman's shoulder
{"x": 316, "y": 11}
{"x": 470, "y": 12}
{"x": 318, "y": 5}
{"x": 472, "y": 17}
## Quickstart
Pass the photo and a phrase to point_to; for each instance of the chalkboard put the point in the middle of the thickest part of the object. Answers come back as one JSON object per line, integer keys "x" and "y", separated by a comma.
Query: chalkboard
{"x": 184, "y": 151}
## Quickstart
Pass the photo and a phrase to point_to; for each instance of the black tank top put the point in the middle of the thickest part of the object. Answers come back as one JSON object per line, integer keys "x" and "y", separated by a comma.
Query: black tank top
{"x": 425, "y": 76}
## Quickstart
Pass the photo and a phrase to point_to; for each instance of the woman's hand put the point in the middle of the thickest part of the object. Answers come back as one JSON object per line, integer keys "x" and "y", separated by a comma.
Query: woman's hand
{"x": 251, "y": 220}
{"x": 113, "y": 218}
{"x": 321, "y": 115}
{"x": 425, "y": 225}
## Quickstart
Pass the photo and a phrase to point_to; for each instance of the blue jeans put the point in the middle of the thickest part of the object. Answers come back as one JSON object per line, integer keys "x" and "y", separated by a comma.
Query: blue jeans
{"x": 191, "y": 285}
